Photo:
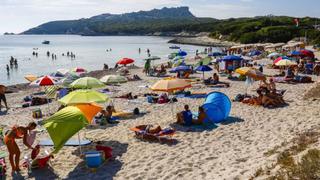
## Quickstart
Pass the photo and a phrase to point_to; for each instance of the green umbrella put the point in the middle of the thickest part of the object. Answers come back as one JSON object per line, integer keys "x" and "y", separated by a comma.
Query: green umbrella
{"x": 83, "y": 97}
{"x": 86, "y": 83}
{"x": 113, "y": 79}
{"x": 64, "y": 124}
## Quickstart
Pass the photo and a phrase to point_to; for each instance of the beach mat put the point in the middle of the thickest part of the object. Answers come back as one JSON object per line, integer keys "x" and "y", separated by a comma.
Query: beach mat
{"x": 71, "y": 142}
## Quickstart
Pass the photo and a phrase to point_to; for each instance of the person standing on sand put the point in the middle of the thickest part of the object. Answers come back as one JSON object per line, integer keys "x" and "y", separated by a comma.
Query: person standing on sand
{"x": 147, "y": 66}
{"x": 8, "y": 72}
{"x": 19, "y": 132}
{"x": 3, "y": 96}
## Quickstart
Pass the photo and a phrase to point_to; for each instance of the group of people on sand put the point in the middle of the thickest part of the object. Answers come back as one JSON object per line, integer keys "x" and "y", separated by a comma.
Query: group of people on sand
{"x": 185, "y": 117}
{"x": 13, "y": 63}
{"x": 268, "y": 96}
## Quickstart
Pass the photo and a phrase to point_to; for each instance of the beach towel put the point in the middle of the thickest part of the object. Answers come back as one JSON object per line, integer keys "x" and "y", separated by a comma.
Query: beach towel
{"x": 71, "y": 142}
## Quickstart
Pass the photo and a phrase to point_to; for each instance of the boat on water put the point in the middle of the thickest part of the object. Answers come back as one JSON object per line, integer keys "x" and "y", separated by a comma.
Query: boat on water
{"x": 46, "y": 42}
{"x": 174, "y": 47}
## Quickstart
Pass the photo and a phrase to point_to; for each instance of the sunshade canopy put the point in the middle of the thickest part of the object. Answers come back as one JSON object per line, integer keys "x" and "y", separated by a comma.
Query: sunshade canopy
{"x": 170, "y": 84}
{"x": 83, "y": 96}
{"x": 86, "y": 83}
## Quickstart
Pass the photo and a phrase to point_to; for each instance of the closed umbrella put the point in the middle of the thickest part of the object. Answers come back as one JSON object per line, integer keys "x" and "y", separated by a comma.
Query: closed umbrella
{"x": 113, "y": 79}
{"x": 86, "y": 83}
{"x": 125, "y": 61}
{"x": 203, "y": 68}
{"x": 83, "y": 97}
{"x": 64, "y": 124}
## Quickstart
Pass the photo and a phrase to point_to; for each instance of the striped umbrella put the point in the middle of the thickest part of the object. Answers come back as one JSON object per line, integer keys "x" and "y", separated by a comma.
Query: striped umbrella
{"x": 45, "y": 81}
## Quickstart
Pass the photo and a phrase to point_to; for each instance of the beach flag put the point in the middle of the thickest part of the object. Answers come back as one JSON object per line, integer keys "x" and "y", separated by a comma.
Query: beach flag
{"x": 296, "y": 20}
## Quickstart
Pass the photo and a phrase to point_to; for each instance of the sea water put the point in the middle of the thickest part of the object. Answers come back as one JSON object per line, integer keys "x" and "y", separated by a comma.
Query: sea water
{"x": 90, "y": 53}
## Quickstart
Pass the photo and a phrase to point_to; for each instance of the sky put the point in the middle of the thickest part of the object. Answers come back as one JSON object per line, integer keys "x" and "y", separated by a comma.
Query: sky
{"x": 20, "y": 15}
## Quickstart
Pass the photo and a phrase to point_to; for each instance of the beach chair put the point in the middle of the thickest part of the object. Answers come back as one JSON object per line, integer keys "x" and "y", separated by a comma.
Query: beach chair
{"x": 165, "y": 134}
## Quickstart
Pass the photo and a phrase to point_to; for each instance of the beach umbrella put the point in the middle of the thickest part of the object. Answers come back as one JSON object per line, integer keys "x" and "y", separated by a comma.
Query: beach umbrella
{"x": 45, "y": 81}
{"x": 177, "y": 58}
{"x": 231, "y": 58}
{"x": 307, "y": 53}
{"x": 255, "y": 53}
{"x": 79, "y": 70}
{"x": 57, "y": 75}
{"x": 63, "y": 71}
{"x": 125, "y": 61}
{"x": 285, "y": 62}
{"x": 83, "y": 97}
{"x": 31, "y": 77}
{"x": 89, "y": 110}
{"x": 152, "y": 58}
{"x": 113, "y": 79}
{"x": 274, "y": 54}
{"x": 178, "y": 63}
{"x": 295, "y": 53}
{"x": 64, "y": 124}
{"x": 181, "y": 68}
{"x": 182, "y": 53}
{"x": 170, "y": 85}
{"x": 203, "y": 68}
{"x": 86, "y": 83}
{"x": 280, "y": 58}
{"x": 251, "y": 72}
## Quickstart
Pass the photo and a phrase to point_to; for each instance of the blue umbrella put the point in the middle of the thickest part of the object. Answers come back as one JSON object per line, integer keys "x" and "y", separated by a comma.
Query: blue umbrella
{"x": 232, "y": 58}
{"x": 182, "y": 53}
{"x": 295, "y": 53}
{"x": 203, "y": 68}
{"x": 180, "y": 68}
{"x": 255, "y": 53}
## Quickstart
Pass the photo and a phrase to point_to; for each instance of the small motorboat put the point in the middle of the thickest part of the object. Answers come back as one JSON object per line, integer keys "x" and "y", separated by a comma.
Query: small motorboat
{"x": 174, "y": 47}
{"x": 46, "y": 42}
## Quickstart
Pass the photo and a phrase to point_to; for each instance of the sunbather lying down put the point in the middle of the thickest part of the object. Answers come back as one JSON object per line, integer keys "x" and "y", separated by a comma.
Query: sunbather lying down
{"x": 127, "y": 96}
{"x": 266, "y": 100}
{"x": 149, "y": 129}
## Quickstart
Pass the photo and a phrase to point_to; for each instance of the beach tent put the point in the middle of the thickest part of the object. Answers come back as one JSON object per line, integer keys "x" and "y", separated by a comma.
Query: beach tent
{"x": 113, "y": 79}
{"x": 87, "y": 83}
{"x": 83, "y": 97}
{"x": 203, "y": 68}
{"x": 230, "y": 62}
{"x": 217, "y": 107}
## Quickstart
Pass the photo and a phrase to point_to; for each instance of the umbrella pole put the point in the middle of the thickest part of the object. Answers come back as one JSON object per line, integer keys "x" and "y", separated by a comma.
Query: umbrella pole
{"x": 79, "y": 143}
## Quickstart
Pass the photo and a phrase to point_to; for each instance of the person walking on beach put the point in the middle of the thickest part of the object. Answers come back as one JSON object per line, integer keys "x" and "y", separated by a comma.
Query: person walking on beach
{"x": 17, "y": 132}
{"x": 139, "y": 50}
{"x": 48, "y": 53}
{"x": 147, "y": 66}
{"x": 3, "y": 96}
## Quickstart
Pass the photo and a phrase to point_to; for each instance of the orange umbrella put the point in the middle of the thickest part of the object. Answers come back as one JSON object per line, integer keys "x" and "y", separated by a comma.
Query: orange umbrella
{"x": 31, "y": 77}
{"x": 89, "y": 110}
{"x": 170, "y": 85}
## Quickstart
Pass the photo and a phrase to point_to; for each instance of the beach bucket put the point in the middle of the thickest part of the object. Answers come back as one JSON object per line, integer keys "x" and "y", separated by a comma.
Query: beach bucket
{"x": 217, "y": 107}
{"x": 93, "y": 159}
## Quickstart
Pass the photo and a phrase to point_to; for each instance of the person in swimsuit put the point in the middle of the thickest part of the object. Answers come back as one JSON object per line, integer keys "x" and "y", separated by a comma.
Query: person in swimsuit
{"x": 19, "y": 132}
{"x": 201, "y": 117}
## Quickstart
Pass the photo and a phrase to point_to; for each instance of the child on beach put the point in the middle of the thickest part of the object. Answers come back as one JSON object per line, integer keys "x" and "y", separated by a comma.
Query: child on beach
{"x": 19, "y": 132}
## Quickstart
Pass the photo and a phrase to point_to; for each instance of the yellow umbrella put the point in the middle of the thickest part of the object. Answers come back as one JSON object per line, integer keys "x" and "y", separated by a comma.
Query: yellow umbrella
{"x": 251, "y": 72}
{"x": 31, "y": 77}
{"x": 285, "y": 62}
{"x": 89, "y": 110}
{"x": 171, "y": 84}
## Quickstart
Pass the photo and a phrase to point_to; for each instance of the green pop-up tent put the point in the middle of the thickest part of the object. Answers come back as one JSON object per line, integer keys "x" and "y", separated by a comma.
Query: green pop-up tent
{"x": 64, "y": 124}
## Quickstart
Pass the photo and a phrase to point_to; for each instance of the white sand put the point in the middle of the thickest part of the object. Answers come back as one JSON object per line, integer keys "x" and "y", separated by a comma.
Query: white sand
{"x": 232, "y": 150}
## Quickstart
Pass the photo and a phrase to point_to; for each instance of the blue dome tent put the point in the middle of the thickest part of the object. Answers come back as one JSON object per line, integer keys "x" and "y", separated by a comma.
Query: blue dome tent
{"x": 217, "y": 107}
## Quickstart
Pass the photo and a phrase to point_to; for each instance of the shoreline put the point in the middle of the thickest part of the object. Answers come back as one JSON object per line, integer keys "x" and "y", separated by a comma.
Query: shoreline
{"x": 202, "y": 41}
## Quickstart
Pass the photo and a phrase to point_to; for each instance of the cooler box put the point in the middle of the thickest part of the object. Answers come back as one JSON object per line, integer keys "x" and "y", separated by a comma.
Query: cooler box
{"x": 93, "y": 159}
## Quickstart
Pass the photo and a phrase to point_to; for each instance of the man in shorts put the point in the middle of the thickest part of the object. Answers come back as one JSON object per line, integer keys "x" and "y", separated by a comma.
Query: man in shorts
{"x": 3, "y": 96}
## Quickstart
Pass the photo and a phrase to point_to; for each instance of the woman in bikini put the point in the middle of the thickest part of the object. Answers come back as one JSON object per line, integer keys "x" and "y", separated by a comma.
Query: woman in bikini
{"x": 14, "y": 151}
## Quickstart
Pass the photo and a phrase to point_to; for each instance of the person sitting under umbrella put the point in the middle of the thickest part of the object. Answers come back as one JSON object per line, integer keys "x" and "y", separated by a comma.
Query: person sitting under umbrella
{"x": 19, "y": 132}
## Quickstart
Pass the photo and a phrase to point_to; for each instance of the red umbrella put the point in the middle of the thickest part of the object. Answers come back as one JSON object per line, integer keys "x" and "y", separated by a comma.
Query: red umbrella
{"x": 125, "y": 61}
{"x": 307, "y": 53}
{"x": 45, "y": 81}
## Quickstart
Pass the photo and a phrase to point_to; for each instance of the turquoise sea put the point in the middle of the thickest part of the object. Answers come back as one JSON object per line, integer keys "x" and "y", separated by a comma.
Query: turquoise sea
{"x": 90, "y": 52}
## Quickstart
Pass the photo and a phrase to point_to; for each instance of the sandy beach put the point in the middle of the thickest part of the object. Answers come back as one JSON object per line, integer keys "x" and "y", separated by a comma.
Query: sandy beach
{"x": 234, "y": 149}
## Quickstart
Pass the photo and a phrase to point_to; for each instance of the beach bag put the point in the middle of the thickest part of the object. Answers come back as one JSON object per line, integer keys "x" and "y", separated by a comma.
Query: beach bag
{"x": 37, "y": 113}
{"x": 239, "y": 98}
{"x": 136, "y": 111}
